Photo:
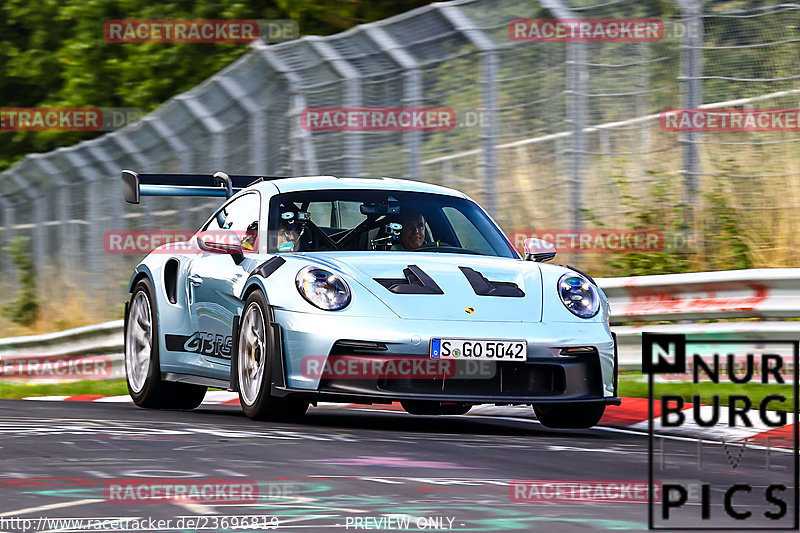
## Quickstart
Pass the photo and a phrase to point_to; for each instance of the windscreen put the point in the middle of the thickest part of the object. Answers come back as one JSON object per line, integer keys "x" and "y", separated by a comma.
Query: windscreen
{"x": 369, "y": 220}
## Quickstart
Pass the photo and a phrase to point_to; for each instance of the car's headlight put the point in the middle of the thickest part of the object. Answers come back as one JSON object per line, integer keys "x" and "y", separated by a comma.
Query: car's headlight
{"x": 323, "y": 289}
{"x": 579, "y": 295}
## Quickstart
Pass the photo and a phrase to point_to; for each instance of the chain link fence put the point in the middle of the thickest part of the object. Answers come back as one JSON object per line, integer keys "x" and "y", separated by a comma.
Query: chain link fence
{"x": 548, "y": 134}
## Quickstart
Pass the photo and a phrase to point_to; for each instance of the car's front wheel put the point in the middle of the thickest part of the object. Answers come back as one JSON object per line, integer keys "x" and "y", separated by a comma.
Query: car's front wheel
{"x": 142, "y": 366}
{"x": 570, "y": 415}
{"x": 255, "y": 351}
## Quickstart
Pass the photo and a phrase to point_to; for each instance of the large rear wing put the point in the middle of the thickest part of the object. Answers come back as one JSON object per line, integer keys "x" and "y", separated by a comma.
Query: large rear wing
{"x": 135, "y": 185}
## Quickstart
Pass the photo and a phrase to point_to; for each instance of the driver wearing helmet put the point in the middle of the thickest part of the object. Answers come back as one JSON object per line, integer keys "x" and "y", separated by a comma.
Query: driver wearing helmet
{"x": 412, "y": 236}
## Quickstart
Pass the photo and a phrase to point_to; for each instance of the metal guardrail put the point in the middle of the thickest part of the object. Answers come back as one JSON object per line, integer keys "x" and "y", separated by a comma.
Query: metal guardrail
{"x": 105, "y": 338}
{"x": 84, "y": 343}
{"x": 757, "y": 293}
{"x": 629, "y": 338}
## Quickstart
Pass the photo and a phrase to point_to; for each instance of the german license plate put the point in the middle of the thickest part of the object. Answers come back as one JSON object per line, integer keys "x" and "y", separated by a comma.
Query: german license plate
{"x": 479, "y": 349}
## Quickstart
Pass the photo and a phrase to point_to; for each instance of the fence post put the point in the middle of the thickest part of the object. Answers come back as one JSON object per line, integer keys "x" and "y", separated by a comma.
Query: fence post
{"x": 354, "y": 146}
{"x": 177, "y": 145}
{"x": 577, "y": 83}
{"x": 692, "y": 98}
{"x": 258, "y": 123}
{"x": 98, "y": 212}
{"x": 31, "y": 194}
{"x": 174, "y": 142}
{"x": 578, "y": 88}
{"x": 61, "y": 215}
{"x": 489, "y": 64}
{"x": 213, "y": 126}
{"x": 7, "y": 265}
{"x": 412, "y": 90}
{"x": 303, "y": 158}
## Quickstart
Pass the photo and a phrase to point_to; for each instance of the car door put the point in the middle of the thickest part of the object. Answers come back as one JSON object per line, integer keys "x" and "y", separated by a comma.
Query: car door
{"x": 216, "y": 278}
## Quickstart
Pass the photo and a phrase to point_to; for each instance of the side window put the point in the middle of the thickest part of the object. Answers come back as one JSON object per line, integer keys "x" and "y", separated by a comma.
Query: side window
{"x": 321, "y": 213}
{"x": 240, "y": 216}
{"x": 349, "y": 214}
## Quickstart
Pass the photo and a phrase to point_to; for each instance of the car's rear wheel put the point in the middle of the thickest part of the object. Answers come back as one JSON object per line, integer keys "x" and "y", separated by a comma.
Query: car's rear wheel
{"x": 570, "y": 416}
{"x": 426, "y": 407}
{"x": 142, "y": 366}
{"x": 255, "y": 352}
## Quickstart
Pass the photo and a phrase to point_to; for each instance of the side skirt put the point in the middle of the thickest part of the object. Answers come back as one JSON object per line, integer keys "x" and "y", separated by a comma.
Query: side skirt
{"x": 194, "y": 380}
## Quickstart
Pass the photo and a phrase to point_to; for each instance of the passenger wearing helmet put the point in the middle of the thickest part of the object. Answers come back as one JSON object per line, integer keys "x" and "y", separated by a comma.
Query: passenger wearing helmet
{"x": 288, "y": 232}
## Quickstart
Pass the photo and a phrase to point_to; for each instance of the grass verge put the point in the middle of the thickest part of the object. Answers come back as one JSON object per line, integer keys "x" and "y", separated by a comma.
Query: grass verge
{"x": 632, "y": 386}
{"x": 111, "y": 387}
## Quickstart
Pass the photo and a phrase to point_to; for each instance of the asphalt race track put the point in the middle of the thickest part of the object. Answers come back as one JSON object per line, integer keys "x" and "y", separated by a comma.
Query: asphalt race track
{"x": 450, "y": 473}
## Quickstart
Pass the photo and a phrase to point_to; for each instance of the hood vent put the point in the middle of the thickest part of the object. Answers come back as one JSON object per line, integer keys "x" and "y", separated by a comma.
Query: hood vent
{"x": 484, "y": 287}
{"x": 416, "y": 281}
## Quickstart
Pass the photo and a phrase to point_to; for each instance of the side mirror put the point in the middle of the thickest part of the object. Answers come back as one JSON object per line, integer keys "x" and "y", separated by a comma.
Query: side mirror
{"x": 538, "y": 250}
{"x": 221, "y": 242}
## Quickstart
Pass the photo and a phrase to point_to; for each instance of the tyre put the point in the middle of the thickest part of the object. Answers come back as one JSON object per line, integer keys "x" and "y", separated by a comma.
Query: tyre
{"x": 569, "y": 416}
{"x": 142, "y": 367}
{"x": 255, "y": 352}
{"x": 425, "y": 407}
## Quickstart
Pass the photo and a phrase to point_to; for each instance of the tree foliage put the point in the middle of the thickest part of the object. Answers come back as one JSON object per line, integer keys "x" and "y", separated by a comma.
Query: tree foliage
{"x": 53, "y": 53}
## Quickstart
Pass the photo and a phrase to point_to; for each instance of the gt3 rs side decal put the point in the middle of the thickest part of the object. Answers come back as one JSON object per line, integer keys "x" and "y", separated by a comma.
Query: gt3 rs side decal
{"x": 202, "y": 343}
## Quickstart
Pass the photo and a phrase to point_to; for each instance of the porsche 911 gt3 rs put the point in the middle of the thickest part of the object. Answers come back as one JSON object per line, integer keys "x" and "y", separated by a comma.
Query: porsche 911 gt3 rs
{"x": 306, "y": 289}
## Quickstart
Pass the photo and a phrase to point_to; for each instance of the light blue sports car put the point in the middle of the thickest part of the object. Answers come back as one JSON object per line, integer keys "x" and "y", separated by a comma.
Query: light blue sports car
{"x": 306, "y": 289}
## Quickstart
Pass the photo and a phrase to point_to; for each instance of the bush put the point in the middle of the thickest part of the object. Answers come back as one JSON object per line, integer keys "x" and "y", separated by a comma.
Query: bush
{"x": 25, "y": 309}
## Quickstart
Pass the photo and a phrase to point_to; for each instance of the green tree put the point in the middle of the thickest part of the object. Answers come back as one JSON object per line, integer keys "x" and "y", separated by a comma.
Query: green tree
{"x": 53, "y": 53}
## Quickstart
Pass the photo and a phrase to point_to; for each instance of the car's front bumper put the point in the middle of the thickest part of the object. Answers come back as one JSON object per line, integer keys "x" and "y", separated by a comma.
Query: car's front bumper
{"x": 548, "y": 376}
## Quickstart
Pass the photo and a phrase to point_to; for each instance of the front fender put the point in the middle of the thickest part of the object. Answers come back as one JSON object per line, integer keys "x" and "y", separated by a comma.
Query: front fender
{"x": 254, "y": 282}
{"x": 141, "y": 268}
